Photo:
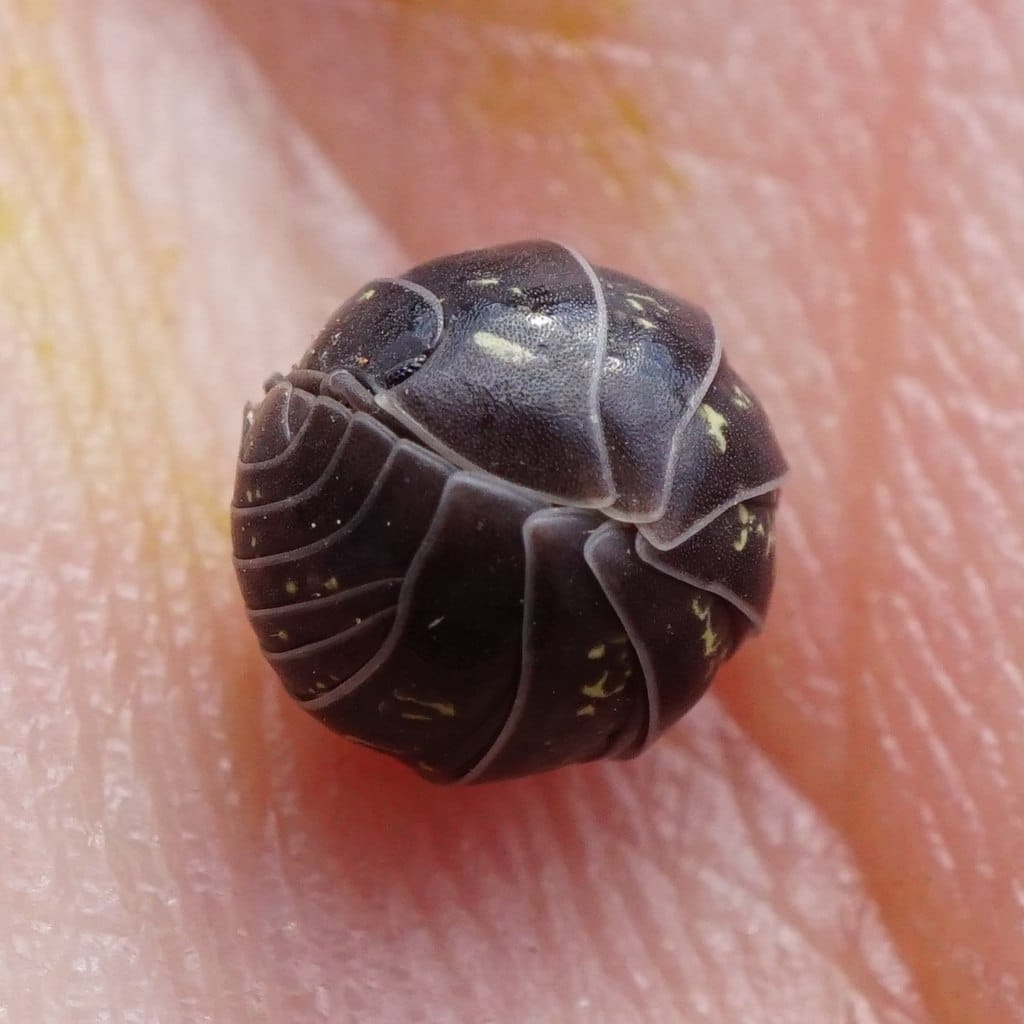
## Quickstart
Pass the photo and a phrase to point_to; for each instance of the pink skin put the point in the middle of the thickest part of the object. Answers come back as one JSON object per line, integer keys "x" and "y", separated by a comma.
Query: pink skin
{"x": 187, "y": 190}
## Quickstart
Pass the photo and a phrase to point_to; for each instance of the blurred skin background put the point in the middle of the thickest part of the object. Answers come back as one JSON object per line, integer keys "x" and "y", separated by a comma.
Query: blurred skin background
{"x": 187, "y": 190}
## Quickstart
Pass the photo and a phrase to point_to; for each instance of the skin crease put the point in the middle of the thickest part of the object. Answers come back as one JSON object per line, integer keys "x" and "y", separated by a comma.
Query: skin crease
{"x": 186, "y": 192}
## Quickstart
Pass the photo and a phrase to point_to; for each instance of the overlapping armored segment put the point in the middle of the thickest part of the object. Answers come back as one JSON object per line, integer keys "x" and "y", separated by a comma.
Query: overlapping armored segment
{"x": 509, "y": 512}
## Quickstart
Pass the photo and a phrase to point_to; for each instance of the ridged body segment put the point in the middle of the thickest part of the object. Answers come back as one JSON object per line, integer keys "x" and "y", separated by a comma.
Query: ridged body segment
{"x": 509, "y": 512}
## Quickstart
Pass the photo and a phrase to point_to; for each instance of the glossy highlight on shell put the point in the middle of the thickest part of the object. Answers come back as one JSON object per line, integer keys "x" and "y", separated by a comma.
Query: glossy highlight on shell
{"x": 510, "y": 511}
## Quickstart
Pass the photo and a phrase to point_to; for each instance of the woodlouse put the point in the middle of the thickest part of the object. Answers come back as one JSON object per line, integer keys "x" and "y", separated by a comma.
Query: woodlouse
{"x": 510, "y": 511}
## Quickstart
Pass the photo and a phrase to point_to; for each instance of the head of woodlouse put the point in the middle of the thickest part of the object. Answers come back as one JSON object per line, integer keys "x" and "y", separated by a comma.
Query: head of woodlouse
{"x": 510, "y": 511}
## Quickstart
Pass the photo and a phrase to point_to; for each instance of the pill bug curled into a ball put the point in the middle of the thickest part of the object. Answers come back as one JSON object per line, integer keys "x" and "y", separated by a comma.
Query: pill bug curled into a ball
{"x": 509, "y": 512}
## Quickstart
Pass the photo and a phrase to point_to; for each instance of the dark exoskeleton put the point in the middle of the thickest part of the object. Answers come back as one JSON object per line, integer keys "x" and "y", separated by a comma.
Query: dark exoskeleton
{"x": 509, "y": 512}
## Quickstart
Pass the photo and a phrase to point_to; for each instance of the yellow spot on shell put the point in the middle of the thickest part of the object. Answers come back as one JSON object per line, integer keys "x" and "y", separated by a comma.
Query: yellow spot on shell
{"x": 502, "y": 348}
{"x": 596, "y": 652}
{"x": 482, "y": 281}
{"x": 368, "y": 294}
{"x": 291, "y": 587}
{"x": 331, "y": 584}
{"x": 740, "y": 398}
{"x": 441, "y": 707}
{"x": 712, "y": 641}
{"x": 647, "y": 298}
{"x": 415, "y": 716}
{"x": 636, "y": 305}
{"x": 745, "y": 518}
{"x": 597, "y": 690}
{"x": 647, "y": 325}
{"x": 716, "y": 424}
{"x": 587, "y": 711}
{"x": 749, "y": 524}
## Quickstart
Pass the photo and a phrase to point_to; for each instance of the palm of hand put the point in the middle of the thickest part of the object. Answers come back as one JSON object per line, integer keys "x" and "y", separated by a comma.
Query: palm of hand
{"x": 184, "y": 190}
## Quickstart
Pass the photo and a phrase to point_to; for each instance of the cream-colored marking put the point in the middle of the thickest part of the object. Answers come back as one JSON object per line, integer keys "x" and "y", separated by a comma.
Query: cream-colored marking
{"x": 638, "y": 306}
{"x": 596, "y": 691}
{"x": 538, "y": 319}
{"x": 424, "y": 767}
{"x": 248, "y": 495}
{"x": 282, "y": 634}
{"x": 503, "y": 349}
{"x": 750, "y": 524}
{"x": 516, "y": 291}
{"x": 740, "y": 398}
{"x": 441, "y": 707}
{"x": 712, "y": 641}
{"x": 291, "y": 587}
{"x": 331, "y": 584}
{"x": 746, "y": 519}
{"x": 368, "y": 294}
{"x": 647, "y": 298}
{"x": 362, "y": 361}
{"x": 252, "y": 542}
{"x": 716, "y": 424}
{"x": 259, "y": 493}
{"x": 414, "y": 717}
{"x": 485, "y": 281}
{"x": 647, "y": 325}
{"x": 596, "y": 652}
{"x": 436, "y": 622}
{"x": 587, "y": 711}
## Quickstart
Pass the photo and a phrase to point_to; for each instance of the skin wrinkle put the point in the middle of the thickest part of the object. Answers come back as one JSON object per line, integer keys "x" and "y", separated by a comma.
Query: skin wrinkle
{"x": 93, "y": 746}
{"x": 636, "y": 944}
{"x": 563, "y": 909}
{"x": 229, "y": 704}
{"x": 280, "y": 931}
{"x": 128, "y": 888}
{"x": 886, "y": 218}
{"x": 772, "y": 899}
{"x": 457, "y": 923}
{"x": 858, "y": 977}
{"x": 156, "y": 583}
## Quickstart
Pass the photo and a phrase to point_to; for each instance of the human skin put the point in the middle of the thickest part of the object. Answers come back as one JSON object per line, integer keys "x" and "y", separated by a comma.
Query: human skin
{"x": 187, "y": 190}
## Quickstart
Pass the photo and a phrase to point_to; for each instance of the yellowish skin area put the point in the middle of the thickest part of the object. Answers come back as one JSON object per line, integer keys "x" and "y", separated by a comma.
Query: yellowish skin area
{"x": 187, "y": 191}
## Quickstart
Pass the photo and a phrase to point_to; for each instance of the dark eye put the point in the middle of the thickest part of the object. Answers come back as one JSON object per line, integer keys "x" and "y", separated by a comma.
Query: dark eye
{"x": 403, "y": 370}
{"x": 533, "y": 540}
